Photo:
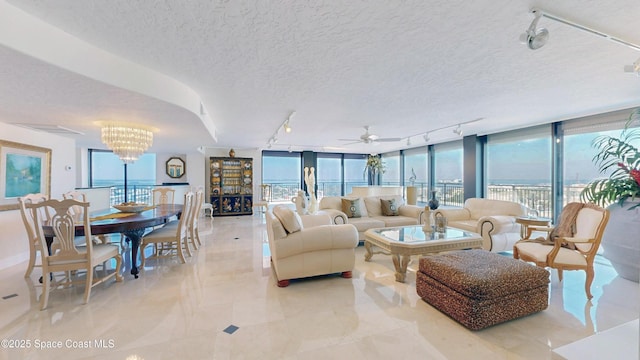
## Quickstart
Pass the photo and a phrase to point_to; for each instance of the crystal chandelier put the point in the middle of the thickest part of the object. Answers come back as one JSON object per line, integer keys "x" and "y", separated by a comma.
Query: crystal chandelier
{"x": 128, "y": 141}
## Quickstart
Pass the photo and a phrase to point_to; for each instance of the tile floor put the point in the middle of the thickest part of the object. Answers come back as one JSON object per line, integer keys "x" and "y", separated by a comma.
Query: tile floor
{"x": 190, "y": 311}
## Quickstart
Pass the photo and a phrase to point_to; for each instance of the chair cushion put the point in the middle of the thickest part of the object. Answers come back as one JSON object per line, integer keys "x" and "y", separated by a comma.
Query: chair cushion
{"x": 351, "y": 207}
{"x": 365, "y": 223}
{"x": 289, "y": 218}
{"x": 389, "y": 207}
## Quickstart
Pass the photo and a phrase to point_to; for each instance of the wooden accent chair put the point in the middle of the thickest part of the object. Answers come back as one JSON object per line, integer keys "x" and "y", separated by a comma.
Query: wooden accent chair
{"x": 572, "y": 245}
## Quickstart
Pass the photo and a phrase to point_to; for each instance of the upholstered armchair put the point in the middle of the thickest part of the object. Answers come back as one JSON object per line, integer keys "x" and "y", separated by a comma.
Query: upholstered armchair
{"x": 308, "y": 245}
{"x": 571, "y": 245}
{"x": 494, "y": 220}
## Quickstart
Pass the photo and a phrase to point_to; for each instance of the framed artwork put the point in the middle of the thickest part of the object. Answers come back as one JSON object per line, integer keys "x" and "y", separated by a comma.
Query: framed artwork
{"x": 175, "y": 167}
{"x": 24, "y": 169}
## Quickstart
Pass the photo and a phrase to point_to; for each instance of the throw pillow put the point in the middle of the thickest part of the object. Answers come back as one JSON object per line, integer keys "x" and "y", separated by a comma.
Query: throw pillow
{"x": 389, "y": 207}
{"x": 288, "y": 218}
{"x": 351, "y": 207}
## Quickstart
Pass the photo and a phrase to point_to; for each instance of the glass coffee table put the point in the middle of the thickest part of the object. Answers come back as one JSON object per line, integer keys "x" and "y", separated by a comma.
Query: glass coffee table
{"x": 403, "y": 241}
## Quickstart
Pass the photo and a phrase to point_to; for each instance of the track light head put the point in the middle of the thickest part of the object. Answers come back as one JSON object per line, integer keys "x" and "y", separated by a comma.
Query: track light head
{"x": 426, "y": 137}
{"x": 287, "y": 128}
{"x": 458, "y": 130}
{"x": 535, "y": 38}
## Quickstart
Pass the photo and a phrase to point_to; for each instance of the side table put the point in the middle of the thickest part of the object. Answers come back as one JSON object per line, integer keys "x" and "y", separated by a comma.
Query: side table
{"x": 525, "y": 222}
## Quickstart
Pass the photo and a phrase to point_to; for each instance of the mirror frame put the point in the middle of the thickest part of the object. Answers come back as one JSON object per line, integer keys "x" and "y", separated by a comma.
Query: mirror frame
{"x": 175, "y": 162}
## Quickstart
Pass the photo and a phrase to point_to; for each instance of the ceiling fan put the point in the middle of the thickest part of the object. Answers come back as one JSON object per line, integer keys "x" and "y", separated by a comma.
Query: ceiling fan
{"x": 635, "y": 68}
{"x": 368, "y": 138}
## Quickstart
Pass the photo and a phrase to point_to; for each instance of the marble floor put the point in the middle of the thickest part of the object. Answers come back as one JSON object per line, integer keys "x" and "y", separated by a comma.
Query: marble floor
{"x": 224, "y": 304}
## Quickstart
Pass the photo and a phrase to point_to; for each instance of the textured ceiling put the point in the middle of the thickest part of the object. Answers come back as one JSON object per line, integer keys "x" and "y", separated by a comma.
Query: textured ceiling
{"x": 402, "y": 67}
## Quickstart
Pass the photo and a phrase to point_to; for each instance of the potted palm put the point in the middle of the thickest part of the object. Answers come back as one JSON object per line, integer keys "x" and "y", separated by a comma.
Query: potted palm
{"x": 620, "y": 191}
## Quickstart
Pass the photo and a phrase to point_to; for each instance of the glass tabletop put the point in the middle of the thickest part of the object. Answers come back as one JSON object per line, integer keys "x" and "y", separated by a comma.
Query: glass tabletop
{"x": 415, "y": 234}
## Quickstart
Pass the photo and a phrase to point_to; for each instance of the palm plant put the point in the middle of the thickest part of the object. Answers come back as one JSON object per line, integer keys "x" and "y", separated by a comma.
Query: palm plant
{"x": 621, "y": 156}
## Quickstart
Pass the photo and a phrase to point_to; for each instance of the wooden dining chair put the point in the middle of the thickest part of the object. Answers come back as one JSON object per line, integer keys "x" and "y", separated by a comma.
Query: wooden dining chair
{"x": 29, "y": 224}
{"x": 68, "y": 256}
{"x": 75, "y": 195}
{"x": 163, "y": 195}
{"x": 173, "y": 238}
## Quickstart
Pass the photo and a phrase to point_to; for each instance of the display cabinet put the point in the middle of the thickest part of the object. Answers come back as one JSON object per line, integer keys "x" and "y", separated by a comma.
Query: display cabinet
{"x": 231, "y": 185}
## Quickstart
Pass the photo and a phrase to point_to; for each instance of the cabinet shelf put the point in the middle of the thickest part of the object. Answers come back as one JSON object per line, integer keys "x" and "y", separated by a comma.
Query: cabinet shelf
{"x": 231, "y": 186}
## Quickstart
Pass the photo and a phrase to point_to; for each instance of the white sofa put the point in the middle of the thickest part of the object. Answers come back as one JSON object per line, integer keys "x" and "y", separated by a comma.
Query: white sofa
{"x": 371, "y": 213}
{"x": 494, "y": 220}
{"x": 308, "y": 245}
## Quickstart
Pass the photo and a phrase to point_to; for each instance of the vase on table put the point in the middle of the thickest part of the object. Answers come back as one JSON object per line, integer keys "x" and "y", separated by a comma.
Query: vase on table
{"x": 433, "y": 202}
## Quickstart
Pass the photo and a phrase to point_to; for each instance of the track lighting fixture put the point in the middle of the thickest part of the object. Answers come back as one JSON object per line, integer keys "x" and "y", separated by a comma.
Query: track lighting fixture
{"x": 286, "y": 125}
{"x": 536, "y": 38}
{"x": 426, "y": 137}
{"x": 458, "y": 130}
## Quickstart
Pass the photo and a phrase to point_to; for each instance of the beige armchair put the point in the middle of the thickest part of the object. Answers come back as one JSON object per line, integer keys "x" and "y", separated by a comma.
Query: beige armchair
{"x": 309, "y": 245}
{"x": 494, "y": 220}
{"x": 572, "y": 245}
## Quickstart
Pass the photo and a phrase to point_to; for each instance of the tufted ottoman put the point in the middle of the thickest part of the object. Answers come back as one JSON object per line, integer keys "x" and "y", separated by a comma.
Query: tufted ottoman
{"x": 479, "y": 289}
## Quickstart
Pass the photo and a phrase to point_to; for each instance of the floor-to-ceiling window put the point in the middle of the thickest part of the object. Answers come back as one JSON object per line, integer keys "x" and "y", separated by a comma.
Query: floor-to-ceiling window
{"x": 518, "y": 168}
{"x": 416, "y": 171}
{"x": 578, "y": 152}
{"x": 329, "y": 174}
{"x": 391, "y": 175}
{"x": 448, "y": 167}
{"x": 354, "y": 174}
{"x": 106, "y": 169}
{"x": 283, "y": 171}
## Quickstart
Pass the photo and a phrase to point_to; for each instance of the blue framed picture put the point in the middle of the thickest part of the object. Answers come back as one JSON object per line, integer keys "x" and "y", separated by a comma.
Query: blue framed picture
{"x": 24, "y": 169}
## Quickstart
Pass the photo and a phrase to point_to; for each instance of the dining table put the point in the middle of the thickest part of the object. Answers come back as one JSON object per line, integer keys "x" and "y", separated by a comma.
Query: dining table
{"x": 131, "y": 224}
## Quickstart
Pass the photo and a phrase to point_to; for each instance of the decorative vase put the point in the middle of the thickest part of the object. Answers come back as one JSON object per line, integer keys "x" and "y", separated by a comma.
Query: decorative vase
{"x": 620, "y": 240}
{"x": 433, "y": 202}
{"x": 232, "y": 153}
{"x": 372, "y": 177}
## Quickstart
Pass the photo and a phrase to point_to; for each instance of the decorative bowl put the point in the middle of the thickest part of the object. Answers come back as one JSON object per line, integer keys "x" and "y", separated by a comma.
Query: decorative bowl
{"x": 131, "y": 208}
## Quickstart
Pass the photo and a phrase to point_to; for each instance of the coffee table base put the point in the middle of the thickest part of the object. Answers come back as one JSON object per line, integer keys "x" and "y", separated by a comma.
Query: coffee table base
{"x": 401, "y": 254}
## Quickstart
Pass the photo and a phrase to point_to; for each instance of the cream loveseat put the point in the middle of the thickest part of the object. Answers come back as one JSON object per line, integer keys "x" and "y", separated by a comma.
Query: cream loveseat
{"x": 308, "y": 245}
{"x": 371, "y": 215}
{"x": 494, "y": 220}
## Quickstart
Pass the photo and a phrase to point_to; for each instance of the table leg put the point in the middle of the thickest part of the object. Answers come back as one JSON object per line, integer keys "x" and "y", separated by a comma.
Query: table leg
{"x": 401, "y": 266}
{"x": 369, "y": 253}
{"x": 134, "y": 237}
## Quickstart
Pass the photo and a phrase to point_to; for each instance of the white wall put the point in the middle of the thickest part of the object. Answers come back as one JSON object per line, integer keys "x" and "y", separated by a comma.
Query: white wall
{"x": 195, "y": 169}
{"x": 13, "y": 237}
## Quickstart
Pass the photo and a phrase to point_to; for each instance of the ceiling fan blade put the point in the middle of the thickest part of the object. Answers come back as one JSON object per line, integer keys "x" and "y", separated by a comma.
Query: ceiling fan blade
{"x": 350, "y": 140}
{"x": 388, "y": 139}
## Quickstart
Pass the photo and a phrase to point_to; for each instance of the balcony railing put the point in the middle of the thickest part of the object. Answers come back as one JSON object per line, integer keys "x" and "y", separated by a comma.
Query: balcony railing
{"x": 137, "y": 193}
